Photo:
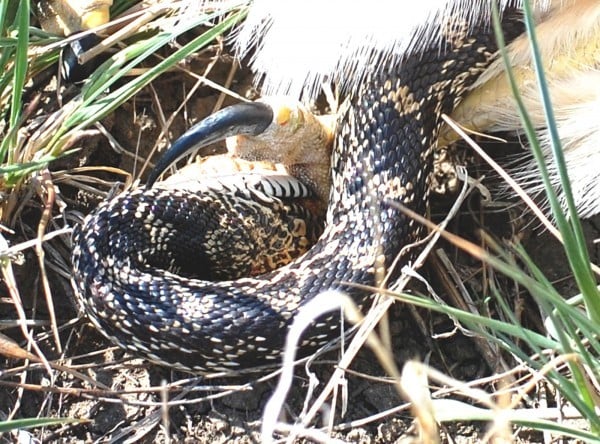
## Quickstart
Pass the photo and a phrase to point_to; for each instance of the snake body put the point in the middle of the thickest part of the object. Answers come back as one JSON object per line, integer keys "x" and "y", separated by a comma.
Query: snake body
{"x": 124, "y": 250}
{"x": 254, "y": 222}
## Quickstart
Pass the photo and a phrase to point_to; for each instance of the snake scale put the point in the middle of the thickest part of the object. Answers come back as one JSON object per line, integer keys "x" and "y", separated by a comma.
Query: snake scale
{"x": 134, "y": 258}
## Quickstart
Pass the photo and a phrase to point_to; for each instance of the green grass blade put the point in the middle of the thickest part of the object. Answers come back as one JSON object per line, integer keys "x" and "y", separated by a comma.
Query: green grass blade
{"x": 575, "y": 245}
{"x": 27, "y": 423}
{"x": 18, "y": 78}
{"x": 96, "y": 106}
{"x": 447, "y": 410}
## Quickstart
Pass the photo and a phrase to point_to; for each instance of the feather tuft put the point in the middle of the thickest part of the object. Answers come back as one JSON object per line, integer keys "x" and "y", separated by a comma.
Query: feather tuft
{"x": 299, "y": 45}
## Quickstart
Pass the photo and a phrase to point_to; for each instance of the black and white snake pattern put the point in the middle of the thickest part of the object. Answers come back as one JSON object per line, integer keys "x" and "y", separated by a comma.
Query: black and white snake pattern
{"x": 138, "y": 259}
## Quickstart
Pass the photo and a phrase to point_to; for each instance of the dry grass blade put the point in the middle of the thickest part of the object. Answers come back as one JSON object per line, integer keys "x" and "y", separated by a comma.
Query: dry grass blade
{"x": 323, "y": 303}
{"x": 367, "y": 327}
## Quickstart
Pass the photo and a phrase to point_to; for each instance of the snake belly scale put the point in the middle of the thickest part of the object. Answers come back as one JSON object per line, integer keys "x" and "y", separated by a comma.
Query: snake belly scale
{"x": 123, "y": 252}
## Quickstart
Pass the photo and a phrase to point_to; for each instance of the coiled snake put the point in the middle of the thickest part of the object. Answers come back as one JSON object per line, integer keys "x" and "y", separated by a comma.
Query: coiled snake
{"x": 124, "y": 250}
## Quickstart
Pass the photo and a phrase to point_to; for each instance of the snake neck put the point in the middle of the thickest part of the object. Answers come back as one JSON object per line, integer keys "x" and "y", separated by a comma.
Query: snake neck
{"x": 384, "y": 148}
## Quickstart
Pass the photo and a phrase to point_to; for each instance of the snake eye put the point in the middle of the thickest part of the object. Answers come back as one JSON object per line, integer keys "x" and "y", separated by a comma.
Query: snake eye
{"x": 73, "y": 71}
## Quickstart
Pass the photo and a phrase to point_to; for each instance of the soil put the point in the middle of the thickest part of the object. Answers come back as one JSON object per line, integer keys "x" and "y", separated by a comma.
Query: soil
{"x": 124, "y": 399}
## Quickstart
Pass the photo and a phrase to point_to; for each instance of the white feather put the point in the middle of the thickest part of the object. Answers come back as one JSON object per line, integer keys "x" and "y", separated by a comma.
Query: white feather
{"x": 569, "y": 40}
{"x": 579, "y": 132}
{"x": 301, "y": 44}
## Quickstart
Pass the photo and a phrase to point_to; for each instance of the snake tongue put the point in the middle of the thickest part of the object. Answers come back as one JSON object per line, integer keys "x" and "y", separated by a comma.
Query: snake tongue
{"x": 242, "y": 119}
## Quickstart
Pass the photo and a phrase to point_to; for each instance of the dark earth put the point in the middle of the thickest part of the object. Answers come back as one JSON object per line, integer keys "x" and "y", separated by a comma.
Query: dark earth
{"x": 123, "y": 399}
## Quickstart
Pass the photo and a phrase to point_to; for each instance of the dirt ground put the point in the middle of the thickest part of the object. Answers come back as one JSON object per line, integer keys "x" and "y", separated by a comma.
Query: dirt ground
{"x": 123, "y": 399}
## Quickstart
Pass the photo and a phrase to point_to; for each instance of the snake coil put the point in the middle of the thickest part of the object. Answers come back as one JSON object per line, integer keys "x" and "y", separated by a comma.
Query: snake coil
{"x": 134, "y": 257}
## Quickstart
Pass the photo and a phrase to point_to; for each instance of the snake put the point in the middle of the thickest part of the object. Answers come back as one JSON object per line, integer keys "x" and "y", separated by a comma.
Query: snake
{"x": 137, "y": 263}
